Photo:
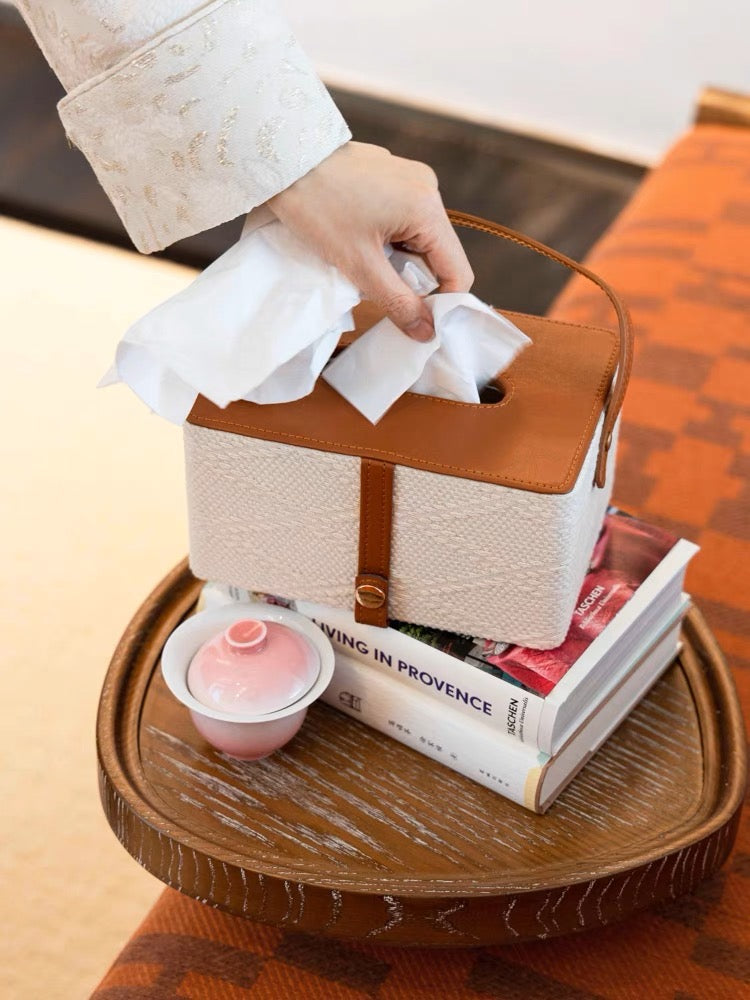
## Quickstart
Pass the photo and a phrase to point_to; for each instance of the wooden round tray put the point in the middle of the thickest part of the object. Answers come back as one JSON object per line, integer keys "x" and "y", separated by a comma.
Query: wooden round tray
{"x": 349, "y": 834}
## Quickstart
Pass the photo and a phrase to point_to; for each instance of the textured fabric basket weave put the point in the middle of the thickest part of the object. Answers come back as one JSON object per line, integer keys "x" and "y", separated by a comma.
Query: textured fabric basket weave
{"x": 475, "y": 518}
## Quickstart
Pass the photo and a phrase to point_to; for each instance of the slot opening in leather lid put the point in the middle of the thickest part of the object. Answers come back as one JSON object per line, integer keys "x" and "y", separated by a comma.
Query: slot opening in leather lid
{"x": 536, "y": 438}
{"x": 493, "y": 393}
{"x": 367, "y": 314}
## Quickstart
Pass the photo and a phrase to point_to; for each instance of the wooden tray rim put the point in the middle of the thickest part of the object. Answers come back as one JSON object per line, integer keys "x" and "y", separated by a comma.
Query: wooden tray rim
{"x": 175, "y": 596}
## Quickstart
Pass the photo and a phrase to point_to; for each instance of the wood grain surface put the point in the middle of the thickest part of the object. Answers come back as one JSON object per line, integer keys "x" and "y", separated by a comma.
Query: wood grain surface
{"x": 349, "y": 834}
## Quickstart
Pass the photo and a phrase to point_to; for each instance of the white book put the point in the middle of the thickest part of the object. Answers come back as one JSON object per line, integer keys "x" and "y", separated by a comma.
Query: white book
{"x": 601, "y": 657}
{"x": 476, "y": 749}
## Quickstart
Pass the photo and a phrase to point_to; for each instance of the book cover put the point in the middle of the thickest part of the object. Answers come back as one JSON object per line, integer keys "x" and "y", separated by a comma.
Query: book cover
{"x": 635, "y": 578}
{"x": 524, "y": 774}
{"x": 626, "y": 553}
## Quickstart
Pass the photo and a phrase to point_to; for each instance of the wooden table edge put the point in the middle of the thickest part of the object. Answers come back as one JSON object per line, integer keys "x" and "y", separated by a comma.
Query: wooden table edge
{"x": 699, "y": 846}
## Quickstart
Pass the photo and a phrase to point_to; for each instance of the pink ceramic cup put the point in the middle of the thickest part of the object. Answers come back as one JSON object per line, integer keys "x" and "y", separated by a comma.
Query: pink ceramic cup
{"x": 247, "y": 673}
{"x": 248, "y": 742}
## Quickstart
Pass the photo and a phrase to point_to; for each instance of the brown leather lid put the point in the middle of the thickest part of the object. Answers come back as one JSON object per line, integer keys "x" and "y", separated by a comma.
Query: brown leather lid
{"x": 535, "y": 439}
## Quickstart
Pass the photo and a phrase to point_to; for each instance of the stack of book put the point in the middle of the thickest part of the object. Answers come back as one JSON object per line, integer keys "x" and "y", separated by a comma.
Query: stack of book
{"x": 520, "y": 721}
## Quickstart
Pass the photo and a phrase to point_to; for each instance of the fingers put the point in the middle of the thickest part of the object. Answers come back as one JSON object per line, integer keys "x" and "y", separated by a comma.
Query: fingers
{"x": 361, "y": 197}
{"x": 445, "y": 256}
{"x": 379, "y": 283}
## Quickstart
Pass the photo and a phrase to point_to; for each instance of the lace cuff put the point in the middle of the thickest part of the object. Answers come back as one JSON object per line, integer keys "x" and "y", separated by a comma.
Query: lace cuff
{"x": 208, "y": 120}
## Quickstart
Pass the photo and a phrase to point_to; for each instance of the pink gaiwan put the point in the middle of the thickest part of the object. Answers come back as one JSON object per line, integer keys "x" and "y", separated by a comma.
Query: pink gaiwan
{"x": 247, "y": 673}
{"x": 253, "y": 667}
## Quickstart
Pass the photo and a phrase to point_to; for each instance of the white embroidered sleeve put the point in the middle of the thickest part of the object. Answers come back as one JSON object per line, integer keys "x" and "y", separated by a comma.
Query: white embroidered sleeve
{"x": 190, "y": 114}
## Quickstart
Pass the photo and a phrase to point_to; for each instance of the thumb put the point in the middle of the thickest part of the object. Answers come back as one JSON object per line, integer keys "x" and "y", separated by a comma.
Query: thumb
{"x": 380, "y": 283}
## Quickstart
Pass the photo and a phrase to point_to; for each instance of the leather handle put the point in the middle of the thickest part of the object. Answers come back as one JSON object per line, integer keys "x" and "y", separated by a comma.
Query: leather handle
{"x": 625, "y": 361}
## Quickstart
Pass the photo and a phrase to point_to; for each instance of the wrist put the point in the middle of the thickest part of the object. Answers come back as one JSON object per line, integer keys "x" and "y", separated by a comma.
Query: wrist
{"x": 289, "y": 194}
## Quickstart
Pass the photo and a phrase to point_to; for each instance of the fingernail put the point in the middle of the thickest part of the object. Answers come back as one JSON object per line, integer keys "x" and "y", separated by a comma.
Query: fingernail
{"x": 420, "y": 330}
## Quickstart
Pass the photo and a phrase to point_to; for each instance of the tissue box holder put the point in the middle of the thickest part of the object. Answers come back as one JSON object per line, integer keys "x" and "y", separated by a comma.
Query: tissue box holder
{"x": 477, "y": 518}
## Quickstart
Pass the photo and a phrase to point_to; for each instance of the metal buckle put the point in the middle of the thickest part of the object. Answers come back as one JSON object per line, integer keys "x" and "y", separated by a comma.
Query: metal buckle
{"x": 368, "y": 595}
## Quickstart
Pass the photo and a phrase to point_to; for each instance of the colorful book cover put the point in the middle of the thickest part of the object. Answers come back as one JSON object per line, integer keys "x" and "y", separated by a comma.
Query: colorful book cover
{"x": 627, "y": 551}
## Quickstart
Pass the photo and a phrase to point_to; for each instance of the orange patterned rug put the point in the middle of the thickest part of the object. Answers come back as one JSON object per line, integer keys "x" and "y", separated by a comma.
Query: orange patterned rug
{"x": 680, "y": 256}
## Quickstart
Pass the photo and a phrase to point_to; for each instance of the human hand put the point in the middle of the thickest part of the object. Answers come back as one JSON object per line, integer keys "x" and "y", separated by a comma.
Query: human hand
{"x": 362, "y": 197}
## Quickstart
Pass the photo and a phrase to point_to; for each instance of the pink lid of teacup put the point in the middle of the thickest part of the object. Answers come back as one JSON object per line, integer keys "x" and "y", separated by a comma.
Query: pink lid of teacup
{"x": 253, "y": 667}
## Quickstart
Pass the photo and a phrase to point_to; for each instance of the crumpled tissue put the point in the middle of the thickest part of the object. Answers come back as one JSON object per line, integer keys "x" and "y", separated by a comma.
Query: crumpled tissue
{"x": 262, "y": 321}
{"x": 472, "y": 343}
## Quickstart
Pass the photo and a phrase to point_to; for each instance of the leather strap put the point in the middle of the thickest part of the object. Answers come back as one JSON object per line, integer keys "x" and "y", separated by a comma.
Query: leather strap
{"x": 625, "y": 362}
{"x": 375, "y": 518}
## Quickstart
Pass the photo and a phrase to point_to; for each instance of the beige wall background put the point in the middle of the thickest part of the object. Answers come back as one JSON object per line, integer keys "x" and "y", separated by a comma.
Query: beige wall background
{"x": 615, "y": 77}
{"x": 91, "y": 516}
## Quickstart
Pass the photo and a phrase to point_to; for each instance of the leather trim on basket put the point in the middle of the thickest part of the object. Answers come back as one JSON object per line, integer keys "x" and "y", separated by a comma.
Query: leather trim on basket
{"x": 375, "y": 522}
{"x": 536, "y": 439}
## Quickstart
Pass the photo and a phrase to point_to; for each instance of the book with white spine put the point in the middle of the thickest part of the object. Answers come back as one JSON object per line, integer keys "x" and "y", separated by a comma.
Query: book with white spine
{"x": 539, "y": 698}
{"x": 476, "y": 749}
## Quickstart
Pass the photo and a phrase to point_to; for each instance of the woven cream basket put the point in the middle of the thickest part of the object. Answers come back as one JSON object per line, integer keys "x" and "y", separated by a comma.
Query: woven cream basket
{"x": 479, "y": 519}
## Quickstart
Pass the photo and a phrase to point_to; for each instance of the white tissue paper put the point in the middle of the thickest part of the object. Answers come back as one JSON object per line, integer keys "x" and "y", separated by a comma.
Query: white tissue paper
{"x": 258, "y": 324}
{"x": 471, "y": 344}
{"x": 262, "y": 321}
